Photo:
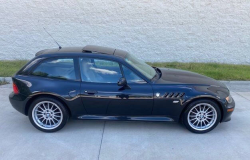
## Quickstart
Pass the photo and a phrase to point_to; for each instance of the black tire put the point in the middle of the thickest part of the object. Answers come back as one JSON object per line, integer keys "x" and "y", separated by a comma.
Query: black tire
{"x": 61, "y": 110}
{"x": 192, "y": 106}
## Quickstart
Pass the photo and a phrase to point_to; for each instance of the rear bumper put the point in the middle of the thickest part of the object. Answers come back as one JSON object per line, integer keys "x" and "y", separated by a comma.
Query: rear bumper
{"x": 228, "y": 110}
{"x": 18, "y": 102}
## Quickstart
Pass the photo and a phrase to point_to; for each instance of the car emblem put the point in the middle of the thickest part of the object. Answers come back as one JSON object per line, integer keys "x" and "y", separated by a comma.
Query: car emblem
{"x": 157, "y": 94}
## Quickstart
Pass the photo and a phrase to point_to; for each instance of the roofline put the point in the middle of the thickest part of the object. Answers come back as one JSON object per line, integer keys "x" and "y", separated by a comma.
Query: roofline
{"x": 86, "y": 49}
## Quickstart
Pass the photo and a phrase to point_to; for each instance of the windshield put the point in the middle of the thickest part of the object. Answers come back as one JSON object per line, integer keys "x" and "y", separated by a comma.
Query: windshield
{"x": 141, "y": 66}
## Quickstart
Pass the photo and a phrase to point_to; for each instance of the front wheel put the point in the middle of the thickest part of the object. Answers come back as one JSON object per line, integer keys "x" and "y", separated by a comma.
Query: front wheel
{"x": 202, "y": 116}
{"x": 48, "y": 114}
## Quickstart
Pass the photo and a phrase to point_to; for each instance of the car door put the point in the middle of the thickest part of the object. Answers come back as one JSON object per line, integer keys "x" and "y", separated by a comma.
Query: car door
{"x": 102, "y": 96}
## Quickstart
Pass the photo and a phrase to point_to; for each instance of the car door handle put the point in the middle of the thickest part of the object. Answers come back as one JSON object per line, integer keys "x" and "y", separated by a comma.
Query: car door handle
{"x": 90, "y": 92}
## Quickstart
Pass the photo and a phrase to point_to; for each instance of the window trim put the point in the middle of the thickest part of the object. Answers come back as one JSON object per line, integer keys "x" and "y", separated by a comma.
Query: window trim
{"x": 56, "y": 57}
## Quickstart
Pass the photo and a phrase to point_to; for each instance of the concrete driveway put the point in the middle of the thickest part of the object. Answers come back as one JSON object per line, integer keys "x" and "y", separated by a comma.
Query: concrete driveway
{"x": 125, "y": 140}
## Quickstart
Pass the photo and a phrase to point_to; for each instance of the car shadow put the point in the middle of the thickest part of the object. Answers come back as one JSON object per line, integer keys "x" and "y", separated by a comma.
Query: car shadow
{"x": 81, "y": 125}
{"x": 85, "y": 126}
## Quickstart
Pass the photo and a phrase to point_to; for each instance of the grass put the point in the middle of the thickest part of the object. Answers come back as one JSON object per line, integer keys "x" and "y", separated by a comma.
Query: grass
{"x": 8, "y": 68}
{"x": 214, "y": 70}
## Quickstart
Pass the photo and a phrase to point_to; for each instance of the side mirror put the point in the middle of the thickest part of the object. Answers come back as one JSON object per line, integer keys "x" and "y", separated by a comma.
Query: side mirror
{"x": 122, "y": 82}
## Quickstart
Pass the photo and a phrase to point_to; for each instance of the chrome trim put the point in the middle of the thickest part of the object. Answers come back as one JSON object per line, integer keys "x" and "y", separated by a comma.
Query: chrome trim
{"x": 126, "y": 118}
{"x": 157, "y": 94}
{"x": 175, "y": 101}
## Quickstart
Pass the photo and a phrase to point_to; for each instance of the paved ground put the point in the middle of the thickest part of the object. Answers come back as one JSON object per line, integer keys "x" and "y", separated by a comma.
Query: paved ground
{"x": 125, "y": 140}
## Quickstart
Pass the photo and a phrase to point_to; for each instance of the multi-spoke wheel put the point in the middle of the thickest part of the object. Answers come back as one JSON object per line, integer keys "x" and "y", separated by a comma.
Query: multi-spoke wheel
{"x": 202, "y": 116}
{"x": 48, "y": 114}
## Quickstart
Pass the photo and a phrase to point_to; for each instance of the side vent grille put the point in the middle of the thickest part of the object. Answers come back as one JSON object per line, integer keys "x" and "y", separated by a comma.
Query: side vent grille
{"x": 174, "y": 95}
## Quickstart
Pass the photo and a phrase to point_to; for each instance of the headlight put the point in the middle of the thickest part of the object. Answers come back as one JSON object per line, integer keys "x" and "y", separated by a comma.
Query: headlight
{"x": 229, "y": 99}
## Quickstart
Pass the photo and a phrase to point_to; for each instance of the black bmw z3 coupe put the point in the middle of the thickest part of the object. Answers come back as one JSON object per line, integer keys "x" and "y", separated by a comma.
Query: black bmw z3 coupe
{"x": 102, "y": 83}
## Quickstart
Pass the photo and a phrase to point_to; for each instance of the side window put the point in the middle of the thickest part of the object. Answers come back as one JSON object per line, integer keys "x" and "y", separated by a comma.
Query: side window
{"x": 56, "y": 68}
{"x": 131, "y": 77}
{"x": 99, "y": 71}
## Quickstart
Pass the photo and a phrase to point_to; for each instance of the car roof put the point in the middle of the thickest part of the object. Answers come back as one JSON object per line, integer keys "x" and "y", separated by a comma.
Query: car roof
{"x": 85, "y": 50}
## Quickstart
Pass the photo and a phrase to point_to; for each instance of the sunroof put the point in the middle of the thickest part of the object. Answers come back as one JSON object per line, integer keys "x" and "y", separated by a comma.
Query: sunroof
{"x": 98, "y": 49}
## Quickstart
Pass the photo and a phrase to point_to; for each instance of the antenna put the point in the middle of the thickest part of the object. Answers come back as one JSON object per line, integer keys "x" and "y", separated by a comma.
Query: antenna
{"x": 52, "y": 38}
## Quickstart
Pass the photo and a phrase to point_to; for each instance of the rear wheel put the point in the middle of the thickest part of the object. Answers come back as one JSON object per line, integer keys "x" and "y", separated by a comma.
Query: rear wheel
{"x": 48, "y": 114}
{"x": 202, "y": 116}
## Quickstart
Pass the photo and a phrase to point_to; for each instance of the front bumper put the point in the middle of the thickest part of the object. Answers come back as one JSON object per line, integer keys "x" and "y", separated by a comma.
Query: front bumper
{"x": 18, "y": 102}
{"x": 227, "y": 111}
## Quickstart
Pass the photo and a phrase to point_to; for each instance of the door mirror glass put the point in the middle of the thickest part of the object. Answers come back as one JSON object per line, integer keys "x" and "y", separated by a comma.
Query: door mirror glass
{"x": 122, "y": 82}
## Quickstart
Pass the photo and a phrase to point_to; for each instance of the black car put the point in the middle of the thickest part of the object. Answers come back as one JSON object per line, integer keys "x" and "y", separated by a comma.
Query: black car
{"x": 95, "y": 82}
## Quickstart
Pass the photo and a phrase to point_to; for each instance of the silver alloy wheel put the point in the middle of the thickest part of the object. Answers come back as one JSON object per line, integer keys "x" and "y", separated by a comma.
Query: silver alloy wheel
{"x": 47, "y": 115}
{"x": 202, "y": 116}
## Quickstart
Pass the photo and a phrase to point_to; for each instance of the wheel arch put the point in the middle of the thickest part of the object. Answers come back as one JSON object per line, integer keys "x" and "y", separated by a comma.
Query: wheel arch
{"x": 44, "y": 95}
{"x": 202, "y": 98}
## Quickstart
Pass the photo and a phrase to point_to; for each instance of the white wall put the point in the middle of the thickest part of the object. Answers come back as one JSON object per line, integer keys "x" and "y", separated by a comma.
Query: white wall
{"x": 153, "y": 30}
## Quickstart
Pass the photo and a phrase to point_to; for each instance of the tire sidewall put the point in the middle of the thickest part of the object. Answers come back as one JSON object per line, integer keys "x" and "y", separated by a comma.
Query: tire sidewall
{"x": 60, "y": 105}
{"x": 191, "y": 105}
